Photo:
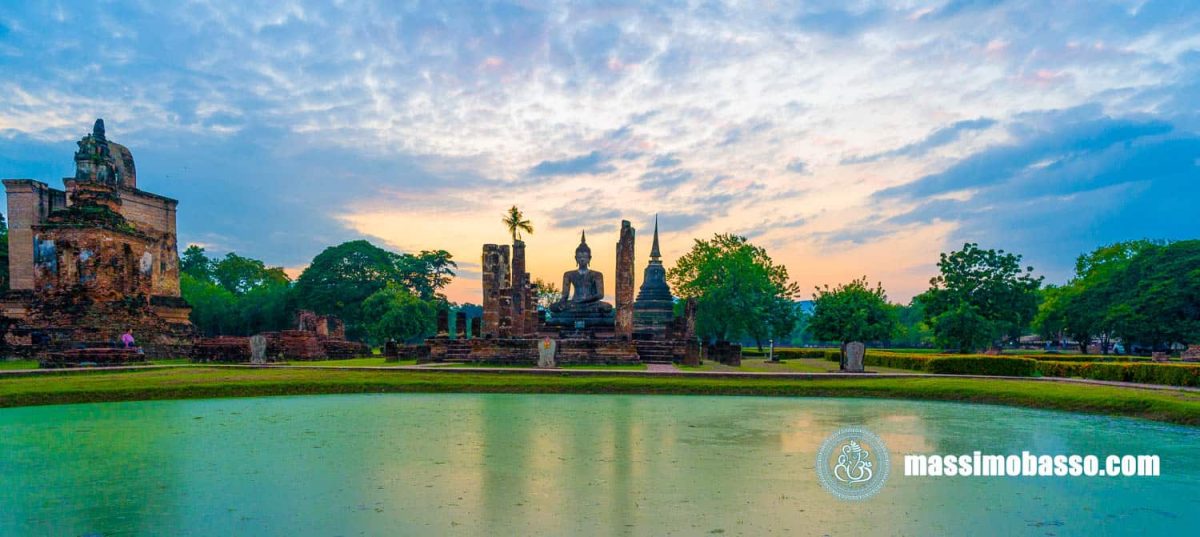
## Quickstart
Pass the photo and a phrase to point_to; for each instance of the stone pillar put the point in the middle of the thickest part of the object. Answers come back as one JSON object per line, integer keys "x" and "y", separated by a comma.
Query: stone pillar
{"x": 518, "y": 289}
{"x": 477, "y": 327}
{"x": 533, "y": 320}
{"x": 689, "y": 319}
{"x": 443, "y": 323}
{"x": 624, "y": 283}
{"x": 495, "y": 279}
{"x": 460, "y": 324}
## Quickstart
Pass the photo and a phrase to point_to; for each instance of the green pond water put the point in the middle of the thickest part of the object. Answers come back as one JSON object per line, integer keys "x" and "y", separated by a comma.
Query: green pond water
{"x": 476, "y": 464}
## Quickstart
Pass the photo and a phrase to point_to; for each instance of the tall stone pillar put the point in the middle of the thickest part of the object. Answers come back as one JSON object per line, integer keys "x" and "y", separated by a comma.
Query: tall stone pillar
{"x": 495, "y": 280}
{"x": 624, "y": 284}
{"x": 518, "y": 290}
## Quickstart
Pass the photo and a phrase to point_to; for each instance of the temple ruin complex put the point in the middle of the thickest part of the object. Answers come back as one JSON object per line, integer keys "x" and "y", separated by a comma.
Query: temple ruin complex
{"x": 93, "y": 260}
{"x": 580, "y": 327}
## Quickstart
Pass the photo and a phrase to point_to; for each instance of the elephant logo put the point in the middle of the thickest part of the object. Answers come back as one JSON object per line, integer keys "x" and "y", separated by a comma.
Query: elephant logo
{"x": 853, "y": 464}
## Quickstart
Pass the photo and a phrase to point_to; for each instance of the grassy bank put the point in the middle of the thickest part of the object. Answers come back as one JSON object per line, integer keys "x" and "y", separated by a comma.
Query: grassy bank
{"x": 204, "y": 382}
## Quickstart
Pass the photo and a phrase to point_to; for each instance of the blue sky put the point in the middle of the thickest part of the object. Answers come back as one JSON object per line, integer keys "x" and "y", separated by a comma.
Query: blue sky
{"x": 849, "y": 138}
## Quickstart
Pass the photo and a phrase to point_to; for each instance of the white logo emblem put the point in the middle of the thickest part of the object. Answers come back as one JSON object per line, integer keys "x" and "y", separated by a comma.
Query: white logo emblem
{"x": 853, "y": 464}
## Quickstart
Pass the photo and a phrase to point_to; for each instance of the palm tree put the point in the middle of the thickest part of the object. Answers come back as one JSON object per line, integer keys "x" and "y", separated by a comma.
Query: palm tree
{"x": 516, "y": 223}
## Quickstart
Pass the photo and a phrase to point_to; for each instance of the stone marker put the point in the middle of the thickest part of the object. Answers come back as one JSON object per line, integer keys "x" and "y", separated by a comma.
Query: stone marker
{"x": 546, "y": 351}
{"x": 258, "y": 349}
{"x": 855, "y": 350}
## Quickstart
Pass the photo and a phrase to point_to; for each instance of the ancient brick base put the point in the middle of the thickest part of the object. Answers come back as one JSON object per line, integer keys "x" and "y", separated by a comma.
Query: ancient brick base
{"x": 97, "y": 357}
{"x": 524, "y": 351}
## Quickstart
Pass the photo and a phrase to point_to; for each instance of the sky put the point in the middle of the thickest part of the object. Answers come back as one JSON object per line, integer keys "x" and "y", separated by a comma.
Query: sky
{"x": 847, "y": 138}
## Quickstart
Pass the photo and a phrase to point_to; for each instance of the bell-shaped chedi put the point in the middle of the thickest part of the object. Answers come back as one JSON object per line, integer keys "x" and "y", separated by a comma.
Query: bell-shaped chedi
{"x": 654, "y": 308}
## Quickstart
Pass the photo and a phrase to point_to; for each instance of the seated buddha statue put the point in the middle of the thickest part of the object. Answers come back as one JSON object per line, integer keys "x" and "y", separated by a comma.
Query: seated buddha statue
{"x": 582, "y": 293}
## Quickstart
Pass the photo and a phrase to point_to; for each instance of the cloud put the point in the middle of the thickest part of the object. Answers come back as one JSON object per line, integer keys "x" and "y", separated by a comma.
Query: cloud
{"x": 284, "y": 127}
{"x": 664, "y": 180}
{"x": 590, "y": 164}
{"x": 1067, "y": 188}
{"x": 1055, "y": 145}
{"x": 665, "y": 161}
{"x": 936, "y": 139}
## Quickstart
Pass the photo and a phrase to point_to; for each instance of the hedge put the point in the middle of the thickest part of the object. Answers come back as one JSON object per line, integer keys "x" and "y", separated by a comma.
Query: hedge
{"x": 1143, "y": 373}
{"x": 985, "y": 365}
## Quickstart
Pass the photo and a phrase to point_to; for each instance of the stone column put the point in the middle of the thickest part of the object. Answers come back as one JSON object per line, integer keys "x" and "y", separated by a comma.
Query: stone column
{"x": 518, "y": 289}
{"x": 476, "y": 327}
{"x": 460, "y": 324}
{"x": 443, "y": 323}
{"x": 624, "y": 285}
{"x": 495, "y": 278}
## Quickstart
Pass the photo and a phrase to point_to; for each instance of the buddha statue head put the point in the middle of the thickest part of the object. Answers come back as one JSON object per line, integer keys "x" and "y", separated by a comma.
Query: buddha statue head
{"x": 583, "y": 253}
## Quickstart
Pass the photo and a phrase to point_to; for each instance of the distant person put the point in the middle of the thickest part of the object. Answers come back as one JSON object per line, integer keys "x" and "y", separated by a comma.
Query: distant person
{"x": 127, "y": 339}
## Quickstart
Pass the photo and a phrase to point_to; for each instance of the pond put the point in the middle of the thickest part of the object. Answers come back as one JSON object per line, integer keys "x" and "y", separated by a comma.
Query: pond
{"x": 493, "y": 464}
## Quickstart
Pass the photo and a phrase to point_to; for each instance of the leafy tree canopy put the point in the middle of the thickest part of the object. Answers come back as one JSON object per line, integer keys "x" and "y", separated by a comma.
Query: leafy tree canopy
{"x": 395, "y": 313}
{"x": 738, "y": 289}
{"x": 980, "y": 297}
{"x": 340, "y": 279}
{"x": 853, "y": 311}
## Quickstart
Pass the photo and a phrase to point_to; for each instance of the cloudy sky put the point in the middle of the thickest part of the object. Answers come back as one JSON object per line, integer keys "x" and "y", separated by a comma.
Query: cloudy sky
{"x": 848, "y": 138}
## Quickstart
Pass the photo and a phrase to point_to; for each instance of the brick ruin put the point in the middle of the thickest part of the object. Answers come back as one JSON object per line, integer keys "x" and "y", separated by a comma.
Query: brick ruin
{"x": 317, "y": 337}
{"x": 93, "y": 260}
{"x": 512, "y": 326}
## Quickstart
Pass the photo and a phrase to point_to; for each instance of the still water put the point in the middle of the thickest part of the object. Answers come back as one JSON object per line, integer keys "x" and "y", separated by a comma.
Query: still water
{"x": 490, "y": 464}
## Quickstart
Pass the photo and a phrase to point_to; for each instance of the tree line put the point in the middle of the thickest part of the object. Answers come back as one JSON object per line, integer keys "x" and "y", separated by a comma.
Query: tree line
{"x": 380, "y": 295}
{"x": 1145, "y": 294}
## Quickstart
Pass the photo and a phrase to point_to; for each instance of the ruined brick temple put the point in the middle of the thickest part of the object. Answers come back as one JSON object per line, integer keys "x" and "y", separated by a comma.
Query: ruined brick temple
{"x": 583, "y": 328}
{"x": 94, "y": 259}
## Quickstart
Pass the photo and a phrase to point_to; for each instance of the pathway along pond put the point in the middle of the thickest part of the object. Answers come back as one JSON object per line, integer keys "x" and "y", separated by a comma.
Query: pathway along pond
{"x": 498, "y": 464}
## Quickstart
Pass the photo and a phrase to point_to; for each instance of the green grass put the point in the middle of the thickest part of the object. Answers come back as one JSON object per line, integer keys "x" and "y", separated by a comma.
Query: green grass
{"x": 377, "y": 361}
{"x": 612, "y": 367}
{"x": 205, "y": 382}
{"x": 793, "y": 365}
{"x": 18, "y": 364}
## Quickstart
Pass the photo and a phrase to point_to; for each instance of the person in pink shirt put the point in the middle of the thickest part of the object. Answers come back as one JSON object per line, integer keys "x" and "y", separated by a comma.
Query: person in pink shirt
{"x": 127, "y": 339}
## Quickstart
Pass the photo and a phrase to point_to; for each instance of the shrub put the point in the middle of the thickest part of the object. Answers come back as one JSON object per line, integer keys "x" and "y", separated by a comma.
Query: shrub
{"x": 986, "y": 365}
{"x": 1144, "y": 373}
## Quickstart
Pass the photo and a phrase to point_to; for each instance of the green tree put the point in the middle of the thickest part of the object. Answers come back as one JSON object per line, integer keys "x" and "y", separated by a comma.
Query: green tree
{"x": 738, "y": 289}
{"x": 547, "y": 292}
{"x": 396, "y": 313}
{"x": 1090, "y": 304}
{"x": 1050, "y": 322}
{"x": 214, "y": 308}
{"x": 341, "y": 277}
{"x": 240, "y": 275}
{"x": 427, "y": 273}
{"x": 1157, "y": 304}
{"x": 852, "y": 312}
{"x": 195, "y": 262}
{"x": 515, "y": 221}
{"x": 912, "y": 330}
{"x": 980, "y": 297}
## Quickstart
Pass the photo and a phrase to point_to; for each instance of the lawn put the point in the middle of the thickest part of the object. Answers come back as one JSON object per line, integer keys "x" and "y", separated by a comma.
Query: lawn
{"x": 18, "y": 364}
{"x": 612, "y": 367}
{"x": 204, "y": 382}
{"x": 793, "y": 365}
{"x": 377, "y": 361}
